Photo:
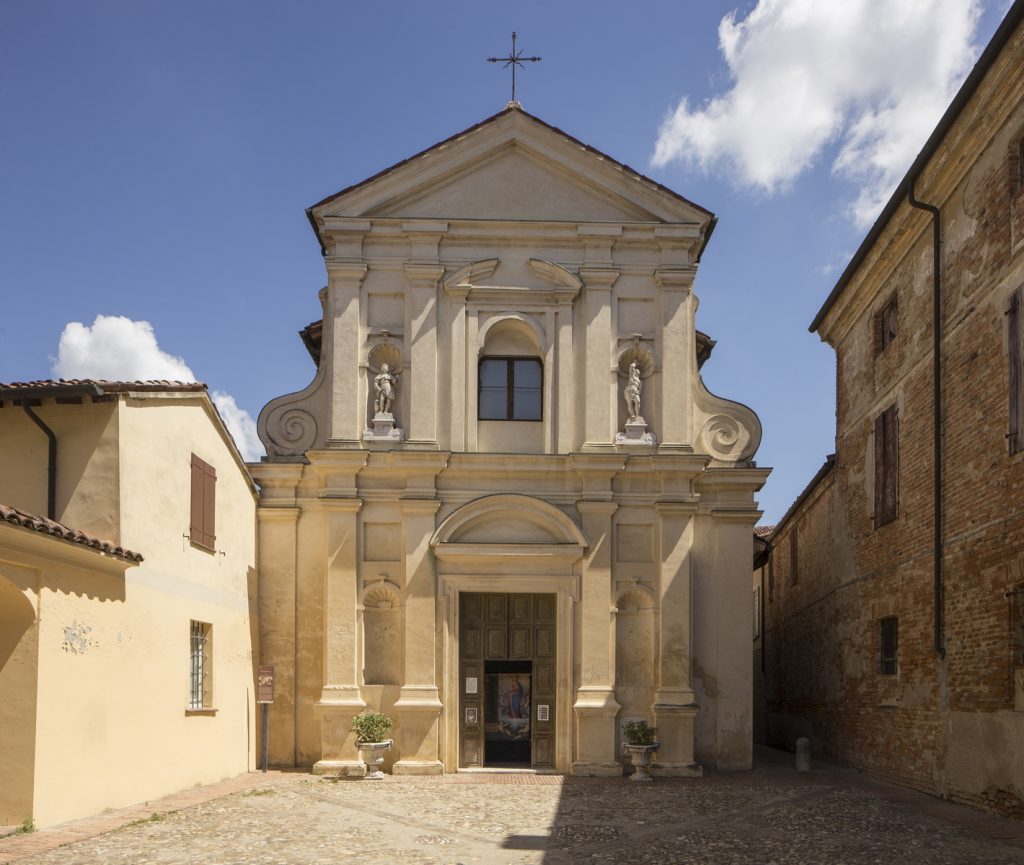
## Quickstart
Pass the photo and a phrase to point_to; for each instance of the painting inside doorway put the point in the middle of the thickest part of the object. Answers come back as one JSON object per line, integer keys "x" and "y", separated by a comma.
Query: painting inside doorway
{"x": 508, "y": 707}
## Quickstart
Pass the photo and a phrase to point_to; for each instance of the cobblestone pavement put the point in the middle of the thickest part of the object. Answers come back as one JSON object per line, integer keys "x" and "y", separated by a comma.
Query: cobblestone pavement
{"x": 771, "y": 815}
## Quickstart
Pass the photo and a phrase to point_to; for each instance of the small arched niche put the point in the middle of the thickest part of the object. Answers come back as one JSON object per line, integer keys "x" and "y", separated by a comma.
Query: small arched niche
{"x": 634, "y": 652}
{"x": 382, "y": 634}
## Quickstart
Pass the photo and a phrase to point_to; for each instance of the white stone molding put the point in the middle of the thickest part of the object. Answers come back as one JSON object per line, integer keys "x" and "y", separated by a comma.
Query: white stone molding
{"x": 728, "y": 431}
{"x": 462, "y": 281}
{"x": 634, "y": 597}
{"x": 288, "y": 425}
{"x": 509, "y": 506}
{"x": 382, "y": 595}
{"x": 528, "y": 322}
{"x": 556, "y": 275}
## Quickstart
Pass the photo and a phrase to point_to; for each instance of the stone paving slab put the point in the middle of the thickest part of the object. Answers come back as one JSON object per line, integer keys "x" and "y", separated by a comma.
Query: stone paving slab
{"x": 771, "y": 816}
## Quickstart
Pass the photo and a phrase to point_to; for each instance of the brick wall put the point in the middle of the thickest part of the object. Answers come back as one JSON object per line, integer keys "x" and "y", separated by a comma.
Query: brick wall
{"x": 946, "y": 725}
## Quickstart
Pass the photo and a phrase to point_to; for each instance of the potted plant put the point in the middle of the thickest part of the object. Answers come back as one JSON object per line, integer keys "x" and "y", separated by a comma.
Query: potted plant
{"x": 371, "y": 729}
{"x": 641, "y": 745}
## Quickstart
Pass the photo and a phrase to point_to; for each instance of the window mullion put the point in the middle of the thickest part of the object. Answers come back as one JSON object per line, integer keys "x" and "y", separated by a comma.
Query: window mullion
{"x": 510, "y": 384}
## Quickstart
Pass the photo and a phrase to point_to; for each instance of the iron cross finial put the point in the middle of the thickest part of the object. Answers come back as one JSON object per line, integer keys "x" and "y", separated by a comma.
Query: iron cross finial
{"x": 514, "y": 59}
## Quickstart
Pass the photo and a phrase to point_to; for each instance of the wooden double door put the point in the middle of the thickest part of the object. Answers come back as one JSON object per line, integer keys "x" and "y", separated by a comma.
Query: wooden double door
{"x": 507, "y": 679}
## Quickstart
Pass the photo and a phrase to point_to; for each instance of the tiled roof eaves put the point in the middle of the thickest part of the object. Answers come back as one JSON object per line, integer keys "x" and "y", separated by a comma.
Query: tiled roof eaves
{"x": 91, "y": 387}
{"x": 36, "y": 523}
{"x": 827, "y": 466}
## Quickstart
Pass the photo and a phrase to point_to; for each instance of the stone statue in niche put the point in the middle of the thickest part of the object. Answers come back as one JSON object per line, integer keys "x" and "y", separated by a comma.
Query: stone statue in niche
{"x": 384, "y": 383}
{"x": 635, "y": 431}
{"x": 385, "y": 366}
{"x": 632, "y": 393}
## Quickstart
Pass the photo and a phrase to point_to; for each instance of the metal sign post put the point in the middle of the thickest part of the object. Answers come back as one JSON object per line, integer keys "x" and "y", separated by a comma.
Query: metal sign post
{"x": 265, "y": 696}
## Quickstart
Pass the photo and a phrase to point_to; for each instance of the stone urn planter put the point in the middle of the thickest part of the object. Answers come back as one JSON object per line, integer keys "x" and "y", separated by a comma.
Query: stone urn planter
{"x": 370, "y": 729}
{"x": 640, "y": 746}
{"x": 373, "y": 756}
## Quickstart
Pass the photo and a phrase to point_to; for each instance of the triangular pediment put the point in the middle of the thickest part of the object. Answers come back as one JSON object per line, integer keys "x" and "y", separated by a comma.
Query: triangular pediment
{"x": 512, "y": 166}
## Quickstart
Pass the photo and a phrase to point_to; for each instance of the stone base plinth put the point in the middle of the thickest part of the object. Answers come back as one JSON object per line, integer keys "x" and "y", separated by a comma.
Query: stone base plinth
{"x": 383, "y": 429}
{"x": 418, "y": 767}
{"x": 340, "y": 768}
{"x": 635, "y": 434}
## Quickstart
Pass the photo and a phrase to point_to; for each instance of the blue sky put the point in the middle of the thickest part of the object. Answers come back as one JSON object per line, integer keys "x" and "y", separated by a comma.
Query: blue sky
{"x": 156, "y": 160}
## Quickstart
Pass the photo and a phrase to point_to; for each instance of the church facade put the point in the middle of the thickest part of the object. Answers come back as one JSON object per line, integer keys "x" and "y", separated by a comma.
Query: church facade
{"x": 506, "y": 512}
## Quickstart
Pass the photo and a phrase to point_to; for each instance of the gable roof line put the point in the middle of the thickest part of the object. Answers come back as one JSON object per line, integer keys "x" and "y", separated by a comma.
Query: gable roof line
{"x": 952, "y": 113}
{"x": 494, "y": 117}
{"x": 100, "y": 388}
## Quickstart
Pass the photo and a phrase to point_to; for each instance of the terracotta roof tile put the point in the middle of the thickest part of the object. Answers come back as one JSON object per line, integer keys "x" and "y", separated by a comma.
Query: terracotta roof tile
{"x": 763, "y": 531}
{"x": 49, "y": 527}
{"x": 100, "y": 386}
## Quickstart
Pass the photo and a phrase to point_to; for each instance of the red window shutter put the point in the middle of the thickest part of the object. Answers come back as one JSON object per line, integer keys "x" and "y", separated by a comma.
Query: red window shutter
{"x": 196, "y": 521}
{"x": 209, "y": 505}
{"x": 202, "y": 528}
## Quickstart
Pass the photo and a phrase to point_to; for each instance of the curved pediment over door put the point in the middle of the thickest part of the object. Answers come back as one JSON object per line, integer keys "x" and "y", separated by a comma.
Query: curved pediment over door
{"x": 509, "y": 533}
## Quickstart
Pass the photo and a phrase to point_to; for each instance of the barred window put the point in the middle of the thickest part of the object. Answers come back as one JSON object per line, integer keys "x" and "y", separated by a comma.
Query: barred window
{"x": 200, "y": 667}
{"x": 889, "y": 630}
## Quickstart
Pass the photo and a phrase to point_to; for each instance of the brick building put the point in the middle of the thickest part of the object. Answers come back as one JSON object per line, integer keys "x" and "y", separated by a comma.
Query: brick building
{"x": 894, "y": 597}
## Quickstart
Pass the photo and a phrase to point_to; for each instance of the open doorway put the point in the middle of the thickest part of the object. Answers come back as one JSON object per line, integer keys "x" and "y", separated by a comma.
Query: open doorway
{"x": 507, "y": 708}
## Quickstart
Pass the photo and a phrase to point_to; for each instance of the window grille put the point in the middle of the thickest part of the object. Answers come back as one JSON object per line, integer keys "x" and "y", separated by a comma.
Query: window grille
{"x": 889, "y": 628}
{"x": 199, "y": 666}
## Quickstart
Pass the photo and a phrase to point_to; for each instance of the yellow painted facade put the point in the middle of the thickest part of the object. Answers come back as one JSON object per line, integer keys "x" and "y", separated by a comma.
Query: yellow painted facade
{"x": 95, "y": 648}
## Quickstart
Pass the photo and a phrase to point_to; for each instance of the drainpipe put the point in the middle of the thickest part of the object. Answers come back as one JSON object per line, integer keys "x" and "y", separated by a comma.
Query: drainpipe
{"x": 940, "y": 649}
{"x": 51, "y": 480}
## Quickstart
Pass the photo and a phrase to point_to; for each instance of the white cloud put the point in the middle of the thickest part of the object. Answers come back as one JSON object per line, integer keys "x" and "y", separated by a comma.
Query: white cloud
{"x": 241, "y": 425}
{"x": 115, "y": 348}
{"x": 869, "y": 76}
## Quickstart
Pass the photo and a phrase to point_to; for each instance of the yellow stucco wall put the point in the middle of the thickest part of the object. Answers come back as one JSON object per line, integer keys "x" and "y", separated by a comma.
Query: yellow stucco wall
{"x": 111, "y": 726}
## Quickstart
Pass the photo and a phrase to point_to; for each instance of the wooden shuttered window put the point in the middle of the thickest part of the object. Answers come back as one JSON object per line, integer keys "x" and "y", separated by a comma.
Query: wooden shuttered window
{"x": 886, "y": 466}
{"x": 885, "y": 326}
{"x": 202, "y": 529}
{"x": 1015, "y": 383}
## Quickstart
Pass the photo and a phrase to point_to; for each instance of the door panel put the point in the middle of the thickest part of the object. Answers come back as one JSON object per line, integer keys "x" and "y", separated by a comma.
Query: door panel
{"x": 517, "y": 628}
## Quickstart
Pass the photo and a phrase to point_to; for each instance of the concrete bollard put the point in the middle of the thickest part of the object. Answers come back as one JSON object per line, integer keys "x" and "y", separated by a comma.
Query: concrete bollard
{"x": 803, "y": 754}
